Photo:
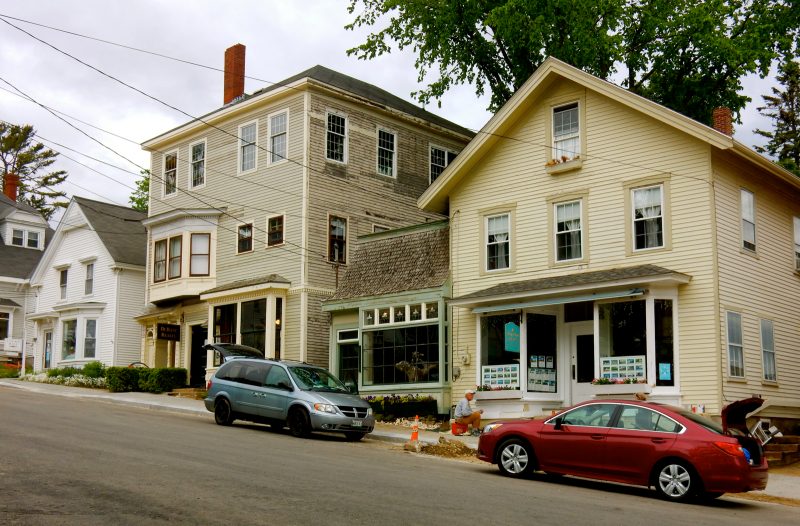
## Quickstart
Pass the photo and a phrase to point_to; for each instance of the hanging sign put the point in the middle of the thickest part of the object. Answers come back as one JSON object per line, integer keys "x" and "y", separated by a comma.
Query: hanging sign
{"x": 168, "y": 331}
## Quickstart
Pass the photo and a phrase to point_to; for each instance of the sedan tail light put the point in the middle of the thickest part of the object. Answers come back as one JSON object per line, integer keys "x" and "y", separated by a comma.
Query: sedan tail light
{"x": 734, "y": 450}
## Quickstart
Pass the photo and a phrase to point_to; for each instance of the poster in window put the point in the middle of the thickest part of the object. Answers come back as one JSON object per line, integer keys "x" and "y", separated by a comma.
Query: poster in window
{"x": 512, "y": 337}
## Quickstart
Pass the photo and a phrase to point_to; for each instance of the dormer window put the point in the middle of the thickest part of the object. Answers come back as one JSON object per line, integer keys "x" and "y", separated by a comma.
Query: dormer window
{"x": 17, "y": 237}
{"x": 25, "y": 238}
{"x": 33, "y": 240}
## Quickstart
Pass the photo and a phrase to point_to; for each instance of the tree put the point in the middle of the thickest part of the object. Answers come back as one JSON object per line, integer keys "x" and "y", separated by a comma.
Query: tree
{"x": 20, "y": 155}
{"x": 783, "y": 108}
{"x": 684, "y": 54}
{"x": 140, "y": 197}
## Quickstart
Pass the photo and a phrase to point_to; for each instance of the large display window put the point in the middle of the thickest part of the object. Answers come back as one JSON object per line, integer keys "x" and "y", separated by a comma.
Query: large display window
{"x": 500, "y": 351}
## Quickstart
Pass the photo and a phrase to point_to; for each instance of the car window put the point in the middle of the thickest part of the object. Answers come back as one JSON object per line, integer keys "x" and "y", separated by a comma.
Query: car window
{"x": 701, "y": 420}
{"x": 596, "y": 415}
{"x": 276, "y": 376}
{"x": 232, "y": 371}
{"x": 314, "y": 379}
{"x": 644, "y": 419}
{"x": 254, "y": 374}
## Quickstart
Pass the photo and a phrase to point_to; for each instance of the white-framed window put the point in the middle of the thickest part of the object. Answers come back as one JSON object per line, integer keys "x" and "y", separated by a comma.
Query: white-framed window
{"x": 68, "y": 339}
{"x": 387, "y": 153}
{"x": 748, "y": 205}
{"x": 62, "y": 282}
{"x": 768, "y": 351}
{"x": 648, "y": 217}
{"x": 171, "y": 173}
{"x": 336, "y": 138}
{"x": 175, "y": 253}
{"x": 278, "y": 136}
{"x": 566, "y": 132}
{"x": 440, "y": 159}
{"x": 408, "y": 313}
{"x": 796, "y": 243}
{"x": 498, "y": 242}
{"x": 200, "y": 261}
{"x": 5, "y": 325}
{"x": 735, "y": 345}
{"x": 275, "y": 231}
{"x": 569, "y": 231}
{"x": 88, "y": 284}
{"x": 160, "y": 260}
{"x": 17, "y": 237}
{"x": 244, "y": 238}
{"x": 33, "y": 239}
{"x": 248, "y": 134}
{"x": 337, "y": 239}
{"x": 198, "y": 171}
{"x": 90, "y": 338}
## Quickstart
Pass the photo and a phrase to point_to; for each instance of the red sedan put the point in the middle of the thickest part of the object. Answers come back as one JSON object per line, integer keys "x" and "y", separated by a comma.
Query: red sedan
{"x": 682, "y": 454}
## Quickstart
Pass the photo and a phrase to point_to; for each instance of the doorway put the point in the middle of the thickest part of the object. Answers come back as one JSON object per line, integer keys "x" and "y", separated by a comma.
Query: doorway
{"x": 197, "y": 367}
{"x": 582, "y": 360}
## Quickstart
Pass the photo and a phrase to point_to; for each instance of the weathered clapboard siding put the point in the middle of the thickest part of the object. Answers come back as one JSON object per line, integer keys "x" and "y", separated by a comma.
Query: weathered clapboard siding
{"x": 622, "y": 147}
{"x": 292, "y": 326}
{"x": 760, "y": 285}
{"x": 318, "y": 330}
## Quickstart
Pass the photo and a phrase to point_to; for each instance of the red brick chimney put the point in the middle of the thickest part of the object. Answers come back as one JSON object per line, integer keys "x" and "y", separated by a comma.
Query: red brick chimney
{"x": 723, "y": 120}
{"x": 10, "y": 185}
{"x": 234, "y": 72}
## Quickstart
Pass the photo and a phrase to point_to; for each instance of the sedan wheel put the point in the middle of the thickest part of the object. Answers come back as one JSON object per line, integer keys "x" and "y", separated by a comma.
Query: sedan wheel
{"x": 223, "y": 415}
{"x": 515, "y": 458}
{"x": 676, "y": 481}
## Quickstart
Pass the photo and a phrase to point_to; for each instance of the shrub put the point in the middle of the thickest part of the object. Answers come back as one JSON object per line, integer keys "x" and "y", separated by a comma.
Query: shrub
{"x": 122, "y": 379}
{"x": 390, "y": 407}
{"x": 94, "y": 369}
{"x": 8, "y": 370}
{"x": 65, "y": 372}
{"x": 161, "y": 380}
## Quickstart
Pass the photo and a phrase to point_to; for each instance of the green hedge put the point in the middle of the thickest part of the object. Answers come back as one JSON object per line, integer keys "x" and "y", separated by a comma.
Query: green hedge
{"x": 124, "y": 379}
{"x": 66, "y": 372}
{"x": 390, "y": 407}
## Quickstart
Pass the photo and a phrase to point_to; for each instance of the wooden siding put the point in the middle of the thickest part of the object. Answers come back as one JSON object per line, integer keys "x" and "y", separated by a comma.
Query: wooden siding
{"x": 761, "y": 284}
{"x": 130, "y": 301}
{"x": 622, "y": 147}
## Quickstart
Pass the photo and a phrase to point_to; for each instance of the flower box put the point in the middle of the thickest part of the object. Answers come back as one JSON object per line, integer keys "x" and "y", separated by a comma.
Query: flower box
{"x": 619, "y": 389}
{"x": 498, "y": 395}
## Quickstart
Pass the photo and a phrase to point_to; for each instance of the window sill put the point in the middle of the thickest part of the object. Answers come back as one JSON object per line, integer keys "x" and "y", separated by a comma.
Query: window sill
{"x": 568, "y": 166}
{"x": 769, "y": 383}
{"x": 736, "y": 380}
{"x": 498, "y": 395}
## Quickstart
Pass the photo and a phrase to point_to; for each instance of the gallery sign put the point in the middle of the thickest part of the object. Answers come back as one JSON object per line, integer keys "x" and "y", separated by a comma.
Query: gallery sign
{"x": 168, "y": 331}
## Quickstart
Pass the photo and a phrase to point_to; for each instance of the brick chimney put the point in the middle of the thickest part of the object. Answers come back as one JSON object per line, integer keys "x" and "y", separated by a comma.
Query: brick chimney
{"x": 723, "y": 120}
{"x": 10, "y": 186}
{"x": 234, "y": 72}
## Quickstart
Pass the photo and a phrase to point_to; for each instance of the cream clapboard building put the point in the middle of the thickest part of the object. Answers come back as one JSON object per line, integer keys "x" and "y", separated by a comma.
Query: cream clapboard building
{"x": 255, "y": 209}
{"x": 596, "y": 234}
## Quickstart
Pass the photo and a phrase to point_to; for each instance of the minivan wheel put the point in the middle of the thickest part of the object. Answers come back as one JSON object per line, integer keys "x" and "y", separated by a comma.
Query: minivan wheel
{"x": 675, "y": 480}
{"x": 223, "y": 415}
{"x": 515, "y": 458}
{"x": 298, "y": 423}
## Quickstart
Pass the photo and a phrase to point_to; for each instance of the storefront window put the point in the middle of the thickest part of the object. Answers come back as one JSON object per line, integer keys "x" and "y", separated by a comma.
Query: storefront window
{"x": 500, "y": 351}
{"x": 665, "y": 361}
{"x": 542, "y": 353}
{"x": 254, "y": 323}
{"x": 349, "y": 351}
{"x": 623, "y": 339}
{"x": 225, "y": 324}
{"x": 405, "y": 355}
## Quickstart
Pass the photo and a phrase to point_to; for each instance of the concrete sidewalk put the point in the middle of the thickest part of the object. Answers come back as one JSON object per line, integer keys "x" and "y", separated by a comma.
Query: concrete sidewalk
{"x": 780, "y": 485}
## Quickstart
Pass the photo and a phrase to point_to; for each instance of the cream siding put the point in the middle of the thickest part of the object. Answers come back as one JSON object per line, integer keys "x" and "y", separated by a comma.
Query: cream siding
{"x": 130, "y": 301}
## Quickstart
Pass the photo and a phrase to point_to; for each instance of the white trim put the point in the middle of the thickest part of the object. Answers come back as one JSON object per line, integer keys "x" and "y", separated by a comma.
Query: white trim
{"x": 269, "y": 137}
{"x": 345, "y": 149}
{"x": 239, "y": 145}
{"x": 190, "y": 179}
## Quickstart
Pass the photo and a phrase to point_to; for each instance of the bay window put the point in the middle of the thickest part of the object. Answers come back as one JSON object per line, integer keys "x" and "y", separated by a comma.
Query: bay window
{"x": 90, "y": 339}
{"x": 160, "y": 260}
{"x": 254, "y": 323}
{"x": 199, "y": 262}
{"x": 175, "y": 248}
{"x": 68, "y": 339}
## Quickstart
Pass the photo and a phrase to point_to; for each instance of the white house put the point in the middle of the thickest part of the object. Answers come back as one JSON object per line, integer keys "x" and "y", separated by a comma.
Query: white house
{"x": 88, "y": 286}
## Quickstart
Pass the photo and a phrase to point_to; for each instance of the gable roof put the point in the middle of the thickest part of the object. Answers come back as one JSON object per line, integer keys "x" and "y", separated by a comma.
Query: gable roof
{"x": 435, "y": 197}
{"x": 119, "y": 228}
{"x": 413, "y": 258}
{"x": 328, "y": 77}
{"x": 7, "y": 207}
{"x": 20, "y": 262}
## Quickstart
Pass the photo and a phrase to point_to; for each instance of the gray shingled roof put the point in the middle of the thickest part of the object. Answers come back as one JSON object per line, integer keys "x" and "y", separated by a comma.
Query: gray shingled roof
{"x": 5, "y": 302}
{"x": 251, "y": 282}
{"x": 119, "y": 228}
{"x": 7, "y": 206}
{"x": 395, "y": 263}
{"x": 19, "y": 262}
{"x": 571, "y": 280}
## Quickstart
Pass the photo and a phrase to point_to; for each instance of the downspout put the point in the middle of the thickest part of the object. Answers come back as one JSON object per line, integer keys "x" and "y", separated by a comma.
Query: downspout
{"x": 115, "y": 318}
{"x": 304, "y": 239}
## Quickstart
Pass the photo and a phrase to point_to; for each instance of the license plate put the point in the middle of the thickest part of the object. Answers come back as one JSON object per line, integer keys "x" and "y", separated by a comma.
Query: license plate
{"x": 357, "y": 423}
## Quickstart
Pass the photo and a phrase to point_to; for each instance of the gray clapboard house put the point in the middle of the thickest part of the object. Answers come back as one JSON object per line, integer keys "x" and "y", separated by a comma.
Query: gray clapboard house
{"x": 255, "y": 209}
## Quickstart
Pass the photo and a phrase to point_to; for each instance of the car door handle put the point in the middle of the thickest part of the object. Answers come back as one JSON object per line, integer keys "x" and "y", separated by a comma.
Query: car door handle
{"x": 658, "y": 440}
{"x": 598, "y": 437}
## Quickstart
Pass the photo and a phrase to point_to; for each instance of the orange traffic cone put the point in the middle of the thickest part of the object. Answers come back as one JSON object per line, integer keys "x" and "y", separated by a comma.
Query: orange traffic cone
{"x": 415, "y": 429}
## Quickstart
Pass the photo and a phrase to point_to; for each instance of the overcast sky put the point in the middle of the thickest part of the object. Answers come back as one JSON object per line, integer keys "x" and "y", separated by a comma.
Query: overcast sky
{"x": 282, "y": 38}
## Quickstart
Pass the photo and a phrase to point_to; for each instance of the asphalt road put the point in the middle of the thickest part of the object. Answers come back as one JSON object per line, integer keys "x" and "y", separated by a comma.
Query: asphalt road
{"x": 78, "y": 461}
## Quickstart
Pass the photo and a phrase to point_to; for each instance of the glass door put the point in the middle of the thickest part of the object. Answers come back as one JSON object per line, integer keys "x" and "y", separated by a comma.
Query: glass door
{"x": 582, "y": 357}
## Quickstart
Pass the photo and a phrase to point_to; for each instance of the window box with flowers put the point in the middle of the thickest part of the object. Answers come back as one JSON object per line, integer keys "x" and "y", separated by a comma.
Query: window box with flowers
{"x": 485, "y": 392}
{"x": 618, "y": 386}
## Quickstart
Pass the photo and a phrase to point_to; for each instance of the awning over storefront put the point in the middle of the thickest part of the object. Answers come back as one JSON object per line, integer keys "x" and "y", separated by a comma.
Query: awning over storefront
{"x": 570, "y": 288}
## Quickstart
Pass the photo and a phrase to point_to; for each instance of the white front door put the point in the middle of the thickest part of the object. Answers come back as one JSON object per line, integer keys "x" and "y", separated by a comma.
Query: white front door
{"x": 581, "y": 341}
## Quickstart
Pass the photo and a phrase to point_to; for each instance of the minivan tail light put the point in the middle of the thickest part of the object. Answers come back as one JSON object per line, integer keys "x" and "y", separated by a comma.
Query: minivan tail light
{"x": 734, "y": 450}
{"x": 208, "y": 385}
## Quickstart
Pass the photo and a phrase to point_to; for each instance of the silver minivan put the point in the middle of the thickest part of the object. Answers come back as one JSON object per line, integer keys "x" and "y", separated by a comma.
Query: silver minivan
{"x": 305, "y": 397}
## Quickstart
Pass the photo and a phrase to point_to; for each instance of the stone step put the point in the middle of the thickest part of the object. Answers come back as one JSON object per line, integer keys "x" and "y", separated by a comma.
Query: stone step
{"x": 785, "y": 439}
{"x": 786, "y": 448}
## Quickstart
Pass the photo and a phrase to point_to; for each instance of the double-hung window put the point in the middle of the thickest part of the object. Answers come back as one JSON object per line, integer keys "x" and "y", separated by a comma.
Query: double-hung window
{"x": 336, "y": 138}
{"x": 88, "y": 284}
{"x": 200, "y": 262}
{"x": 171, "y": 173}
{"x": 440, "y": 159}
{"x": 17, "y": 237}
{"x": 62, "y": 281}
{"x": 5, "y": 325}
{"x": 90, "y": 339}
{"x": 797, "y": 243}
{"x": 337, "y": 239}
{"x": 498, "y": 242}
{"x": 387, "y": 151}
{"x": 68, "y": 339}
{"x": 33, "y": 239}
{"x": 569, "y": 233}
{"x": 735, "y": 345}
{"x": 277, "y": 137}
{"x": 160, "y": 260}
{"x": 247, "y": 146}
{"x": 566, "y": 132}
{"x": 198, "y": 164}
{"x": 275, "y": 231}
{"x": 768, "y": 351}
{"x": 245, "y": 238}
{"x": 648, "y": 217}
{"x": 175, "y": 250}
{"x": 748, "y": 220}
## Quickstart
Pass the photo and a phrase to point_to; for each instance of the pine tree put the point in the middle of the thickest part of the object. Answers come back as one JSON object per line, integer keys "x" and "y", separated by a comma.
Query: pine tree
{"x": 783, "y": 108}
{"x": 140, "y": 197}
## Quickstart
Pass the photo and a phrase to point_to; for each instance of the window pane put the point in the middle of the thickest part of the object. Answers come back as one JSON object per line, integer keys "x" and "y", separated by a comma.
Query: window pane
{"x": 245, "y": 243}
{"x": 498, "y": 245}
{"x": 198, "y": 164}
{"x": 248, "y": 147}
{"x": 277, "y": 127}
{"x": 253, "y": 323}
{"x": 160, "y": 261}
{"x": 275, "y": 231}
{"x": 768, "y": 350}
{"x": 90, "y": 339}
{"x": 4, "y": 324}
{"x": 68, "y": 340}
{"x": 337, "y": 239}
{"x": 797, "y": 243}
{"x": 89, "y": 285}
{"x": 748, "y": 207}
{"x": 623, "y": 332}
{"x": 335, "y": 138}
{"x": 665, "y": 358}
{"x": 568, "y": 231}
{"x": 735, "y": 350}
{"x": 17, "y": 237}
{"x": 386, "y": 153}
{"x": 33, "y": 239}
{"x": 404, "y": 355}
{"x": 200, "y": 254}
{"x": 439, "y": 162}
{"x": 648, "y": 218}
{"x": 170, "y": 173}
{"x": 225, "y": 324}
{"x": 566, "y": 133}
{"x": 174, "y": 257}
